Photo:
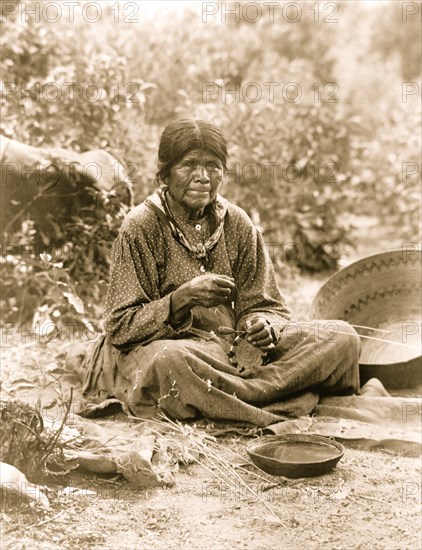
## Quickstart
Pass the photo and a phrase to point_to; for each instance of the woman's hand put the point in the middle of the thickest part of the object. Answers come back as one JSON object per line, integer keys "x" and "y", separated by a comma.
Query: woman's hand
{"x": 261, "y": 334}
{"x": 207, "y": 290}
{"x": 210, "y": 290}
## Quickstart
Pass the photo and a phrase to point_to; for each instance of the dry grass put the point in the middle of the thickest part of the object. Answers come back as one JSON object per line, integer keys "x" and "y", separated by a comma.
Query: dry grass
{"x": 27, "y": 445}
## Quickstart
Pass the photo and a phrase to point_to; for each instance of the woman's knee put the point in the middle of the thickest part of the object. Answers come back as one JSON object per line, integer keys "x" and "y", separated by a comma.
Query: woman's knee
{"x": 346, "y": 335}
{"x": 168, "y": 353}
{"x": 158, "y": 350}
{"x": 337, "y": 332}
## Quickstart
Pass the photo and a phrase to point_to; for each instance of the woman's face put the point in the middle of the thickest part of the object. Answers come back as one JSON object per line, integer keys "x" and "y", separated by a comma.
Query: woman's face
{"x": 195, "y": 180}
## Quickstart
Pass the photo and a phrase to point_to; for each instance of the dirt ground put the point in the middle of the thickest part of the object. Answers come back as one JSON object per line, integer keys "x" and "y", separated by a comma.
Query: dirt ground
{"x": 370, "y": 500}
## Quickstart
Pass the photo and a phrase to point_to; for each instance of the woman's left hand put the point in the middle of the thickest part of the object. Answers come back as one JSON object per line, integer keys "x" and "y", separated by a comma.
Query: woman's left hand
{"x": 261, "y": 334}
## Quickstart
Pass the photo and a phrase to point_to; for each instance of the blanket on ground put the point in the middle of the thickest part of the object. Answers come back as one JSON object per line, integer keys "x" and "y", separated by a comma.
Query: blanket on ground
{"x": 147, "y": 453}
{"x": 373, "y": 420}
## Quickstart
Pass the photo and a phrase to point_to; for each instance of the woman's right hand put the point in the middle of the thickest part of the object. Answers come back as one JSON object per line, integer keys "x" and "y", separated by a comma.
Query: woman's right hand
{"x": 207, "y": 290}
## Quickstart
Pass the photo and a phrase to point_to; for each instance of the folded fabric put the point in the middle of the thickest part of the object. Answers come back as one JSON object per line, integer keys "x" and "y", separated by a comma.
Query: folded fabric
{"x": 372, "y": 420}
{"x": 132, "y": 450}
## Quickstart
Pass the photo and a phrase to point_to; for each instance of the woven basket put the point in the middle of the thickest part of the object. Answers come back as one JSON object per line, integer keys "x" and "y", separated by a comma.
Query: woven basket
{"x": 382, "y": 291}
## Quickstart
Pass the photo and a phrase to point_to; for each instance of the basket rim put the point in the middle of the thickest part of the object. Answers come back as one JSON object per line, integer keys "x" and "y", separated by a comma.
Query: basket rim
{"x": 353, "y": 269}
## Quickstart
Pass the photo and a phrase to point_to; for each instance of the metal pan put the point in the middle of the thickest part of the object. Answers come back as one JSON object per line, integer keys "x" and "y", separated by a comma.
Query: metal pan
{"x": 295, "y": 455}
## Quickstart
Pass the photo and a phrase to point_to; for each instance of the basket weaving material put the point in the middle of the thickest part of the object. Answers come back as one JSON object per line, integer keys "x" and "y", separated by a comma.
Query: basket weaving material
{"x": 382, "y": 291}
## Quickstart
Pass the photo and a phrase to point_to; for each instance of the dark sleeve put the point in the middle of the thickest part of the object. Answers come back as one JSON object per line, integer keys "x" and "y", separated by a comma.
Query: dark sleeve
{"x": 135, "y": 311}
{"x": 258, "y": 292}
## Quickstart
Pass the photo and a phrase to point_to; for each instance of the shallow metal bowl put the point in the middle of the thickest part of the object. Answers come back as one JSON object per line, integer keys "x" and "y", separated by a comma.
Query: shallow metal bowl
{"x": 295, "y": 455}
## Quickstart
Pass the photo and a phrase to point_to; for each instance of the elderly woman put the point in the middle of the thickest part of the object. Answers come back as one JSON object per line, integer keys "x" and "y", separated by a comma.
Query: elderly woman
{"x": 195, "y": 322}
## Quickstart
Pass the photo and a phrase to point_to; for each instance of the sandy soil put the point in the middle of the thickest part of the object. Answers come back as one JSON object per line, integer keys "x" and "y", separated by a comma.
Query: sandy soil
{"x": 371, "y": 500}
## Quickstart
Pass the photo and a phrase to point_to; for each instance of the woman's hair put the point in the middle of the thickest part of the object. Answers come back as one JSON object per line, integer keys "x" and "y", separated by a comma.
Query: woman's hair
{"x": 184, "y": 135}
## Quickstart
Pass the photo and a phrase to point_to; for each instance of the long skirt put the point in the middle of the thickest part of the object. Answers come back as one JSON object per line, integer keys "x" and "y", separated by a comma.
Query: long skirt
{"x": 193, "y": 377}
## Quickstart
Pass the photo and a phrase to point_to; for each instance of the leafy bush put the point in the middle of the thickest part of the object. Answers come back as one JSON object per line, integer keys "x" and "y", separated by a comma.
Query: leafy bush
{"x": 63, "y": 261}
{"x": 297, "y": 167}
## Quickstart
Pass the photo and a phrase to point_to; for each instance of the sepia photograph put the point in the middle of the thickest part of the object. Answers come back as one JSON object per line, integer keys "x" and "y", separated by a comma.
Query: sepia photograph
{"x": 210, "y": 273}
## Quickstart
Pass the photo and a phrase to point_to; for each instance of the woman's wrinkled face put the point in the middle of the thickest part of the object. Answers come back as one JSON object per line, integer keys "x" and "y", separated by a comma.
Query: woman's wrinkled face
{"x": 195, "y": 180}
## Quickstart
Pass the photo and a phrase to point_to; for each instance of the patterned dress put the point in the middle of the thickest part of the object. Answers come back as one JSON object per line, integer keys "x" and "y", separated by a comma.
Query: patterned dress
{"x": 152, "y": 365}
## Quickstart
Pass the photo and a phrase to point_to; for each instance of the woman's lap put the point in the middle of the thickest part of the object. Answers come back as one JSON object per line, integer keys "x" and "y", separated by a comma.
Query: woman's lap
{"x": 189, "y": 376}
